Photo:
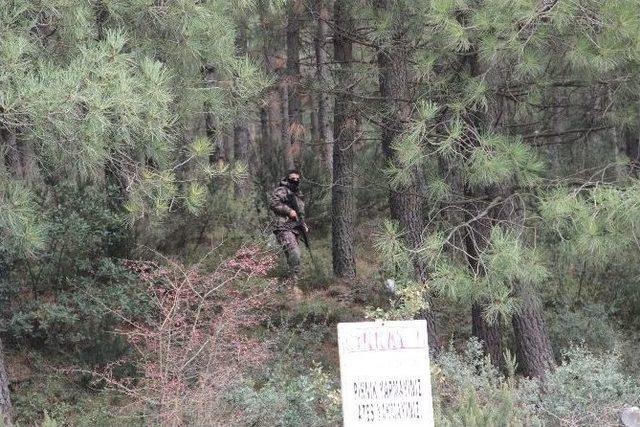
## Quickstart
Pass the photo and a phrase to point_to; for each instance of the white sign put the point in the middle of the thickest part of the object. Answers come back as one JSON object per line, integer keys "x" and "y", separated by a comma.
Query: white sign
{"x": 384, "y": 370}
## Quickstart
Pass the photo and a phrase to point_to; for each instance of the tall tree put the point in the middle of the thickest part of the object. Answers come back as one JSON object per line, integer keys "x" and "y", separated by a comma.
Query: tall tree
{"x": 477, "y": 240}
{"x": 325, "y": 134}
{"x": 276, "y": 121}
{"x": 479, "y": 217}
{"x": 13, "y": 164}
{"x": 345, "y": 138}
{"x": 295, "y": 127}
{"x": 106, "y": 86}
{"x": 6, "y": 409}
{"x": 395, "y": 89}
{"x": 241, "y": 137}
{"x": 533, "y": 346}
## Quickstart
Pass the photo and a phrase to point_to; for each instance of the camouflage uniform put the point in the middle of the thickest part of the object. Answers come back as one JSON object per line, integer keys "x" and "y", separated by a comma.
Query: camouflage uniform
{"x": 284, "y": 227}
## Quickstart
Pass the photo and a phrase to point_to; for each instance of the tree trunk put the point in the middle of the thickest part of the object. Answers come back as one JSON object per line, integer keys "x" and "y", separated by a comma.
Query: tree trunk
{"x": 285, "y": 128}
{"x": 325, "y": 134}
{"x": 346, "y": 131}
{"x": 313, "y": 124}
{"x": 489, "y": 334}
{"x": 533, "y": 348}
{"x": 227, "y": 147}
{"x": 7, "y": 138}
{"x": 102, "y": 13}
{"x": 476, "y": 241}
{"x": 632, "y": 150}
{"x": 404, "y": 201}
{"x": 264, "y": 149}
{"x": 295, "y": 130}
{"x": 273, "y": 145}
{"x": 5, "y": 402}
{"x": 210, "y": 125}
{"x": 241, "y": 131}
{"x": 14, "y": 152}
{"x": 240, "y": 142}
{"x": 478, "y": 235}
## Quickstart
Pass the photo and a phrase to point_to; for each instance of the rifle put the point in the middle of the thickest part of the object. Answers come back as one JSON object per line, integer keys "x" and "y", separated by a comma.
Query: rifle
{"x": 299, "y": 225}
{"x": 302, "y": 227}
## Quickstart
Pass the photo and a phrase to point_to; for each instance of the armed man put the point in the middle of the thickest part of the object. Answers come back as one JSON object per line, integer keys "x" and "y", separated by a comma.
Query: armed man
{"x": 287, "y": 203}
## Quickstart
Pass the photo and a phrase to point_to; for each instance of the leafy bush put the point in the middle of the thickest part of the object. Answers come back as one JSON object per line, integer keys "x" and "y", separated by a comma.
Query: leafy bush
{"x": 62, "y": 297}
{"x": 588, "y": 325}
{"x": 49, "y": 396}
{"x": 585, "y": 390}
{"x": 287, "y": 399}
{"x": 198, "y": 341}
{"x": 469, "y": 391}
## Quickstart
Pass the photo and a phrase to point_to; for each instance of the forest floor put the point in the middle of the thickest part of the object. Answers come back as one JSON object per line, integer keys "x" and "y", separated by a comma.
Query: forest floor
{"x": 301, "y": 328}
{"x": 300, "y": 381}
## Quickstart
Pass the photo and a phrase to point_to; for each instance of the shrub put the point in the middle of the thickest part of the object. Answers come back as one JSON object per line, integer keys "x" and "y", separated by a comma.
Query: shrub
{"x": 198, "y": 342}
{"x": 584, "y": 390}
{"x": 288, "y": 399}
{"x": 588, "y": 325}
{"x": 469, "y": 391}
{"x": 56, "y": 298}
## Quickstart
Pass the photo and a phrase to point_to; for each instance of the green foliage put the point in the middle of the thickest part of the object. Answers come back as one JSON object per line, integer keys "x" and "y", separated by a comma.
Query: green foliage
{"x": 49, "y": 398}
{"x": 73, "y": 287}
{"x": 587, "y": 390}
{"x": 595, "y": 223}
{"x": 393, "y": 251}
{"x": 584, "y": 390}
{"x": 48, "y": 421}
{"x": 505, "y": 261}
{"x": 105, "y": 86}
{"x": 469, "y": 391}
{"x": 21, "y": 229}
{"x": 498, "y": 160}
{"x": 308, "y": 399}
{"x": 510, "y": 108}
{"x": 589, "y": 326}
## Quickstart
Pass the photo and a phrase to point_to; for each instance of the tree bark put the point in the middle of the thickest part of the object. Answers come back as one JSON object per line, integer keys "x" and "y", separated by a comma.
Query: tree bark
{"x": 7, "y": 138}
{"x": 102, "y": 13}
{"x": 346, "y": 132}
{"x": 218, "y": 155}
{"x": 404, "y": 201}
{"x": 295, "y": 129}
{"x": 533, "y": 347}
{"x": 240, "y": 142}
{"x": 313, "y": 124}
{"x": 240, "y": 130}
{"x": 632, "y": 150}
{"x": 274, "y": 144}
{"x": 14, "y": 152}
{"x": 285, "y": 128}
{"x": 263, "y": 149}
{"x": 476, "y": 241}
{"x": 478, "y": 235}
{"x": 325, "y": 134}
{"x": 5, "y": 401}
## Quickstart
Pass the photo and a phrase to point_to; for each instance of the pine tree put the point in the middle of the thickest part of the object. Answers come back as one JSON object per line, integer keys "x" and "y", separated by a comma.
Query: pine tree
{"x": 395, "y": 88}
{"x": 295, "y": 129}
{"x": 325, "y": 134}
{"x": 346, "y": 134}
{"x": 99, "y": 91}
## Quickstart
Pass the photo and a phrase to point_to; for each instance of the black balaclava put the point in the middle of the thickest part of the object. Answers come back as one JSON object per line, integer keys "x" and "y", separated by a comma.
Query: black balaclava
{"x": 293, "y": 184}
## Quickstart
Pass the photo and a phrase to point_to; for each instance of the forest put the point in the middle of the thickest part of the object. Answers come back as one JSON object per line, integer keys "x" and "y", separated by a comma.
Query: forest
{"x": 472, "y": 163}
